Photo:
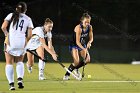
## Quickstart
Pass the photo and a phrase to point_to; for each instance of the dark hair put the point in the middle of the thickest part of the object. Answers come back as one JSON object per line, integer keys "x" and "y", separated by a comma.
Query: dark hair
{"x": 48, "y": 20}
{"x": 85, "y": 15}
{"x": 20, "y": 8}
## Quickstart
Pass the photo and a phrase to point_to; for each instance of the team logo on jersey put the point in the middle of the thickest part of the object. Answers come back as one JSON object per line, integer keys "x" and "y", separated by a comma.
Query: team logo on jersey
{"x": 84, "y": 35}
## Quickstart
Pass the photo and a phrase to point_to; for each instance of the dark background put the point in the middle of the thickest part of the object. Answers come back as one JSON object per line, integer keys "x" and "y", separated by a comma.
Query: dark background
{"x": 115, "y": 26}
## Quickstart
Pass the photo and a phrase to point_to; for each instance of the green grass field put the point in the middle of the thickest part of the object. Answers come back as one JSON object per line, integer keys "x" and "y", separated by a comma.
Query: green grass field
{"x": 106, "y": 78}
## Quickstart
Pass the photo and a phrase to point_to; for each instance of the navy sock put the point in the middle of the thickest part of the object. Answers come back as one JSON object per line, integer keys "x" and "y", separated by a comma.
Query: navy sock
{"x": 81, "y": 63}
{"x": 71, "y": 68}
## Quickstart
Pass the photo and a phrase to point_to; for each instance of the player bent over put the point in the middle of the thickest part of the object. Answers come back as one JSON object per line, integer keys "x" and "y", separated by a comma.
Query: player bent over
{"x": 37, "y": 43}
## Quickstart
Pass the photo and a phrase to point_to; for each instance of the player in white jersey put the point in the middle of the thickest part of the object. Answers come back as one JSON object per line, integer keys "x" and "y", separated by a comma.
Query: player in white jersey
{"x": 37, "y": 43}
{"x": 15, "y": 42}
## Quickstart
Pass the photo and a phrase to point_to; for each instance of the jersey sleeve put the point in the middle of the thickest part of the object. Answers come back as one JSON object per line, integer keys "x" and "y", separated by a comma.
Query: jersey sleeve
{"x": 9, "y": 16}
{"x": 38, "y": 32}
{"x": 30, "y": 25}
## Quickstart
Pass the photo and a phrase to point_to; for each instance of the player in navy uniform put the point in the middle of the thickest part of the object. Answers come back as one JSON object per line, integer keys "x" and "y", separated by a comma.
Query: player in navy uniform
{"x": 78, "y": 45}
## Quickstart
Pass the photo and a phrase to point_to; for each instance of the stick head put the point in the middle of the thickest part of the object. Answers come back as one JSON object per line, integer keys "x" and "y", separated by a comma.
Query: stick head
{"x": 79, "y": 79}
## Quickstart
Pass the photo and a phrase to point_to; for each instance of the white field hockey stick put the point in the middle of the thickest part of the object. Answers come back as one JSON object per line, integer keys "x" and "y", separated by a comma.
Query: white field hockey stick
{"x": 45, "y": 60}
{"x": 69, "y": 71}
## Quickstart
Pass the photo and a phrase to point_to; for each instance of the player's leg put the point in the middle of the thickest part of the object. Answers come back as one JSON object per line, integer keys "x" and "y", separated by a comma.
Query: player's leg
{"x": 41, "y": 64}
{"x": 30, "y": 62}
{"x": 85, "y": 59}
{"x": 9, "y": 70}
{"x": 83, "y": 62}
{"x": 20, "y": 71}
{"x": 72, "y": 66}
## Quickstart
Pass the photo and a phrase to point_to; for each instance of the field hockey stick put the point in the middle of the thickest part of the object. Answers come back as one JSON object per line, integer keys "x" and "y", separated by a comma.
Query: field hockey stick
{"x": 83, "y": 73}
{"x": 69, "y": 71}
{"x": 57, "y": 61}
{"x": 36, "y": 55}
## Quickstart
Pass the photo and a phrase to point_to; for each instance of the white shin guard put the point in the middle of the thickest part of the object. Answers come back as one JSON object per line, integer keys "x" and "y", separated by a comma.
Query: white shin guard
{"x": 20, "y": 69}
{"x": 9, "y": 70}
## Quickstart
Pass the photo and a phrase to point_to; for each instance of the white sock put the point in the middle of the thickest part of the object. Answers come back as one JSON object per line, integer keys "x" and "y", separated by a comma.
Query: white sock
{"x": 20, "y": 70}
{"x": 9, "y": 70}
{"x": 41, "y": 66}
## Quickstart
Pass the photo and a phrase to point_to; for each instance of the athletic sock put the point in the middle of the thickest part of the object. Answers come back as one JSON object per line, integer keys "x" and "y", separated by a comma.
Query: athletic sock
{"x": 81, "y": 63}
{"x": 20, "y": 70}
{"x": 71, "y": 68}
{"x": 9, "y": 70}
{"x": 41, "y": 66}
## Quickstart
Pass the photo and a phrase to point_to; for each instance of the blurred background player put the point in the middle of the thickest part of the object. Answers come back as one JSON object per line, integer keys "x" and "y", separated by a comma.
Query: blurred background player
{"x": 78, "y": 45}
{"x": 15, "y": 42}
{"x": 37, "y": 43}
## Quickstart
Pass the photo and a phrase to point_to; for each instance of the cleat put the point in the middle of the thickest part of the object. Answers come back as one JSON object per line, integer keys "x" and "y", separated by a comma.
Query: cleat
{"x": 41, "y": 77}
{"x": 77, "y": 73}
{"x": 29, "y": 68}
{"x": 66, "y": 77}
{"x": 20, "y": 85}
{"x": 11, "y": 86}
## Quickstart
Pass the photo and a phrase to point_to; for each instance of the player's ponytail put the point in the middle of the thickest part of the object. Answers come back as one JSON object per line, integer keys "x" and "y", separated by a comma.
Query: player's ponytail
{"x": 48, "y": 20}
{"x": 20, "y": 8}
{"x": 85, "y": 15}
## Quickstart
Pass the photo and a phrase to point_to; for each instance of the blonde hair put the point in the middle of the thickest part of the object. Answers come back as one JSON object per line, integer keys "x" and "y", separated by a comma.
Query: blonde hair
{"x": 85, "y": 15}
{"x": 48, "y": 20}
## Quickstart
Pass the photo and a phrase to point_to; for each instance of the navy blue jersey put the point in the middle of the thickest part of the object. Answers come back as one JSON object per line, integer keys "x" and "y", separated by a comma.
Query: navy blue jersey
{"x": 84, "y": 36}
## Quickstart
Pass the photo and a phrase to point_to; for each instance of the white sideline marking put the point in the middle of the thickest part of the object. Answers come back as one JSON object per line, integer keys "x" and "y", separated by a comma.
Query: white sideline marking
{"x": 114, "y": 81}
{"x": 102, "y": 81}
{"x": 82, "y": 81}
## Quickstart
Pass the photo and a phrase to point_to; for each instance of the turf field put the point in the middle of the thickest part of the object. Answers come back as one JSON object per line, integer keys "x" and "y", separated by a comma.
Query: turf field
{"x": 105, "y": 78}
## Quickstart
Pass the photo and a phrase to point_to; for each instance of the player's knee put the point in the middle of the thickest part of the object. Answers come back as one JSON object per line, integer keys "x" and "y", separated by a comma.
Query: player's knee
{"x": 76, "y": 62}
{"x": 88, "y": 60}
{"x": 9, "y": 63}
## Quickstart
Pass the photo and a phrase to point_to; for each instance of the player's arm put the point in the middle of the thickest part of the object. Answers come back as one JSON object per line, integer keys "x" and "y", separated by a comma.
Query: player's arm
{"x": 50, "y": 45}
{"x": 90, "y": 37}
{"x": 78, "y": 35}
{"x": 42, "y": 40}
{"x": 30, "y": 27}
{"x": 4, "y": 27}
{"x": 29, "y": 33}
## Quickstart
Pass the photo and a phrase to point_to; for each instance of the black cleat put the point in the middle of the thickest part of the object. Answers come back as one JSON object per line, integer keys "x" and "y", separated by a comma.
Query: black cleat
{"x": 20, "y": 83}
{"x": 12, "y": 86}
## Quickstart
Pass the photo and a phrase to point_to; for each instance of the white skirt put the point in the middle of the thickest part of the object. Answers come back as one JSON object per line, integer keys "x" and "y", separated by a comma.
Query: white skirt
{"x": 16, "y": 46}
